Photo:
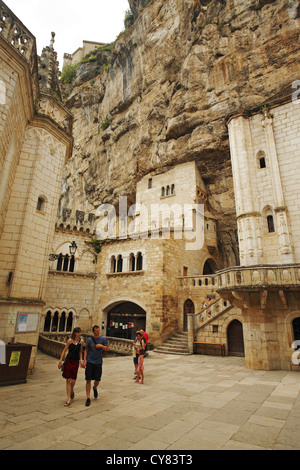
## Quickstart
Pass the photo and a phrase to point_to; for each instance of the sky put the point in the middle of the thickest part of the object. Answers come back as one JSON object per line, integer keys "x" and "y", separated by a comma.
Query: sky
{"x": 72, "y": 21}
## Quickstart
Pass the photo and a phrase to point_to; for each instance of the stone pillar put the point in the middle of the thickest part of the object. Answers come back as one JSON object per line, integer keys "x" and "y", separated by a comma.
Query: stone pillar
{"x": 262, "y": 345}
{"x": 190, "y": 318}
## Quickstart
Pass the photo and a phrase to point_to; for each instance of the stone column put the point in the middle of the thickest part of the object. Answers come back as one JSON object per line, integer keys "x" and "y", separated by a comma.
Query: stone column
{"x": 190, "y": 318}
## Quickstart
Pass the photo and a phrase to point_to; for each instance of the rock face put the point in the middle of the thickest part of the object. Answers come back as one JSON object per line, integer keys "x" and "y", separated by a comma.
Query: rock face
{"x": 173, "y": 78}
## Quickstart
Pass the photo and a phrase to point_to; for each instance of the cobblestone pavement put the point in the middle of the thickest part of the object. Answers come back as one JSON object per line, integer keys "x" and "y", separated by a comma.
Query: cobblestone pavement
{"x": 186, "y": 403}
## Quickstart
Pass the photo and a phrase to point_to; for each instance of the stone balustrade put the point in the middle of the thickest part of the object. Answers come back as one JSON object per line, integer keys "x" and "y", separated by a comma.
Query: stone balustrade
{"x": 262, "y": 276}
{"x": 53, "y": 344}
{"x": 21, "y": 39}
{"x": 209, "y": 313}
{"x": 204, "y": 281}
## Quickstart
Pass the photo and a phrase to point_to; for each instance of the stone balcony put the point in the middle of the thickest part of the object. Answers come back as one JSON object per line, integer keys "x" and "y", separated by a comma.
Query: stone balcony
{"x": 21, "y": 39}
{"x": 254, "y": 277}
{"x": 236, "y": 284}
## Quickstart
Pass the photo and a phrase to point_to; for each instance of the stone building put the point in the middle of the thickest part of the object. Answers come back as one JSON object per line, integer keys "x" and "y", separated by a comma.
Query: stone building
{"x": 147, "y": 197}
{"x": 35, "y": 141}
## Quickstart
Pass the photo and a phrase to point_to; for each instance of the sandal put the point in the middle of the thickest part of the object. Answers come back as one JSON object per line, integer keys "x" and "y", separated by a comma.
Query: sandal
{"x": 72, "y": 395}
{"x": 67, "y": 404}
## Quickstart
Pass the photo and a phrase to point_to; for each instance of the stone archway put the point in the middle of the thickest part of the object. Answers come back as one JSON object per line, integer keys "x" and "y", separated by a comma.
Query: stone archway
{"x": 210, "y": 267}
{"x": 124, "y": 319}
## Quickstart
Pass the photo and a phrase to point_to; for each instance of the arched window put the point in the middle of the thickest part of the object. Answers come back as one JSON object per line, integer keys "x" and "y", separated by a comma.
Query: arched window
{"x": 120, "y": 264}
{"x": 270, "y": 222}
{"x": 66, "y": 263}
{"x": 139, "y": 262}
{"x": 168, "y": 191}
{"x": 47, "y": 323}
{"x": 261, "y": 159}
{"x": 69, "y": 322}
{"x": 113, "y": 264}
{"x": 173, "y": 189}
{"x": 72, "y": 264}
{"x": 54, "y": 325}
{"x": 163, "y": 191}
{"x": 262, "y": 162}
{"x": 131, "y": 262}
{"x": 62, "y": 322}
{"x": 59, "y": 262}
{"x": 41, "y": 204}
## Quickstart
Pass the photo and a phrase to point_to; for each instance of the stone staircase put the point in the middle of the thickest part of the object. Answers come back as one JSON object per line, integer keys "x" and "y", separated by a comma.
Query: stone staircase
{"x": 177, "y": 344}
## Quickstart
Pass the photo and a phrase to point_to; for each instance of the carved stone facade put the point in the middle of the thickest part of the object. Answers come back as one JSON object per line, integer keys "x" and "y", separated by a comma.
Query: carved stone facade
{"x": 33, "y": 149}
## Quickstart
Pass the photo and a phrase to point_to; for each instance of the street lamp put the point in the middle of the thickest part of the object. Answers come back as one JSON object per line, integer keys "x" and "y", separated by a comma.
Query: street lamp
{"x": 72, "y": 249}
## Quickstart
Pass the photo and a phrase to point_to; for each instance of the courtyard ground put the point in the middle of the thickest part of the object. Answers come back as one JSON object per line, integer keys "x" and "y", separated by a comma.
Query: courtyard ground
{"x": 186, "y": 403}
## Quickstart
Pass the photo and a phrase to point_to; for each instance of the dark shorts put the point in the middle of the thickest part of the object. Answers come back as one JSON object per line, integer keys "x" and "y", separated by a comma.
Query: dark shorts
{"x": 93, "y": 371}
{"x": 136, "y": 359}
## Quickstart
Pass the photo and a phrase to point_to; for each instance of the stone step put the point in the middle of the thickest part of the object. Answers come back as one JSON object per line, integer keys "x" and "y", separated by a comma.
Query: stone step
{"x": 177, "y": 344}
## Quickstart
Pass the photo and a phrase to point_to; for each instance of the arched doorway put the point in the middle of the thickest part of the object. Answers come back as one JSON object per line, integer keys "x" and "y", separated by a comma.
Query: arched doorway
{"x": 296, "y": 329}
{"x": 188, "y": 308}
{"x": 209, "y": 267}
{"x": 125, "y": 319}
{"x": 235, "y": 338}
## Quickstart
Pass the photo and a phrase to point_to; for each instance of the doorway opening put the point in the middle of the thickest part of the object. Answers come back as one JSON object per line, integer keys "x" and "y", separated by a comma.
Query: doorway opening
{"x": 235, "y": 338}
{"x": 124, "y": 320}
{"x": 189, "y": 307}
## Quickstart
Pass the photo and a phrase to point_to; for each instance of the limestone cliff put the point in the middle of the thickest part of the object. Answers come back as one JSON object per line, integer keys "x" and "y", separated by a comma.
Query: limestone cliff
{"x": 173, "y": 77}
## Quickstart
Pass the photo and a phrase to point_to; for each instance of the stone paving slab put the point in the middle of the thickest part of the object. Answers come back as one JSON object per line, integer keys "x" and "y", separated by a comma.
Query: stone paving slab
{"x": 186, "y": 403}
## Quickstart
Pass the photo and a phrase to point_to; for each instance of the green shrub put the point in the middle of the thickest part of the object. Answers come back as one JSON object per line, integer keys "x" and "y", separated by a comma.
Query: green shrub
{"x": 105, "y": 124}
{"x": 68, "y": 73}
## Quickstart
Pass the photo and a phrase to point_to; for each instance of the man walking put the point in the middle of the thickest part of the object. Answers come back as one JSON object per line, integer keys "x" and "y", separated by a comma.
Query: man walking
{"x": 93, "y": 362}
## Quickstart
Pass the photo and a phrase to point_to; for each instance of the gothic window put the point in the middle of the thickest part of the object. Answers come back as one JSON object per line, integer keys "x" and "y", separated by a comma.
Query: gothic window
{"x": 69, "y": 322}
{"x": 262, "y": 162}
{"x": 59, "y": 262}
{"x": 66, "y": 263}
{"x": 54, "y": 325}
{"x": 62, "y": 322}
{"x": 261, "y": 159}
{"x": 47, "y": 323}
{"x": 163, "y": 191}
{"x": 113, "y": 264}
{"x": 173, "y": 189}
{"x": 72, "y": 264}
{"x": 139, "y": 262}
{"x": 132, "y": 262}
{"x": 270, "y": 222}
{"x": 41, "y": 203}
{"x": 120, "y": 264}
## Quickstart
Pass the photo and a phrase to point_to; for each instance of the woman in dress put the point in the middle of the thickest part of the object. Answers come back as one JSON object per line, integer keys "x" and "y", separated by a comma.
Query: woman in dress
{"x": 139, "y": 346}
{"x": 74, "y": 357}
